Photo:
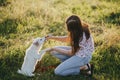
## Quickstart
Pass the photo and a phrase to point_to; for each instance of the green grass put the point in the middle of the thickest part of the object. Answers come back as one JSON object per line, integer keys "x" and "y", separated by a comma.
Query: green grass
{"x": 23, "y": 20}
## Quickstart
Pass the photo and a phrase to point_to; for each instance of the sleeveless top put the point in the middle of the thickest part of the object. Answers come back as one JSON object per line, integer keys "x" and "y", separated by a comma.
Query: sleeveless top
{"x": 86, "y": 47}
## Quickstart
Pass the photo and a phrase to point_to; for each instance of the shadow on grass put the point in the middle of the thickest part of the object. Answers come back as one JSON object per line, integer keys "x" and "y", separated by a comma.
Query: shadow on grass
{"x": 112, "y": 0}
{"x": 4, "y": 2}
{"x": 13, "y": 60}
{"x": 113, "y": 18}
{"x": 10, "y": 63}
{"x": 78, "y": 77}
{"x": 107, "y": 62}
{"x": 49, "y": 75}
{"x": 8, "y": 26}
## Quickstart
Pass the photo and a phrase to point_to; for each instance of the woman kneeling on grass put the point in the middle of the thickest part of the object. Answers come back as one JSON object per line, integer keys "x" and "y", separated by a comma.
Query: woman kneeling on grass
{"x": 77, "y": 56}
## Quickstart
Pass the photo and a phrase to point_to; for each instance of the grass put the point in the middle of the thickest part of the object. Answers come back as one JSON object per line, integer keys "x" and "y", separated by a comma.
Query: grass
{"x": 23, "y": 20}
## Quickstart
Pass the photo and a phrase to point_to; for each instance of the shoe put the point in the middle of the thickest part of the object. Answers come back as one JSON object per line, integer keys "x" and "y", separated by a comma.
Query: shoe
{"x": 90, "y": 69}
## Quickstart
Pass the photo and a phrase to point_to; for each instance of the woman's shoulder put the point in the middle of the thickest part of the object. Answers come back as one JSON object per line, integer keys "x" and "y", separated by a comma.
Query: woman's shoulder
{"x": 84, "y": 38}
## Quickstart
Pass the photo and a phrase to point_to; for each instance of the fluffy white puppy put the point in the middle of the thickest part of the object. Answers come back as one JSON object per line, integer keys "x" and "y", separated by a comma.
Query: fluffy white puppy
{"x": 32, "y": 56}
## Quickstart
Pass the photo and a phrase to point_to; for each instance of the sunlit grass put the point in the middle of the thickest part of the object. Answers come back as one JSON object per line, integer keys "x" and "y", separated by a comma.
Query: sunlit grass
{"x": 23, "y": 20}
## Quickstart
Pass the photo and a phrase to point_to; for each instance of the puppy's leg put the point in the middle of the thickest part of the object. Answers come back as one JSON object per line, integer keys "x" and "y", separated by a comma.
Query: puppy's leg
{"x": 20, "y": 72}
{"x": 31, "y": 75}
{"x": 41, "y": 55}
{"x": 42, "y": 52}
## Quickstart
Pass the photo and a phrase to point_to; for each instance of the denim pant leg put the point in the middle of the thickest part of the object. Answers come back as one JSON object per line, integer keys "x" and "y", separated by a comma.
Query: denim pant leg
{"x": 60, "y": 56}
{"x": 71, "y": 66}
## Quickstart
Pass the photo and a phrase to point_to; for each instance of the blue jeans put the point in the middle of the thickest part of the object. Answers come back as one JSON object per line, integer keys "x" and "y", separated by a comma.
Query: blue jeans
{"x": 70, "y": 64}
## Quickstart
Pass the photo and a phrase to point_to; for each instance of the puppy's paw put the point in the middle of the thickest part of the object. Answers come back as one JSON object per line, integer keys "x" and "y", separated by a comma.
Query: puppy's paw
{"x": 19, "y": 71}
{"x": 31, "y": 75}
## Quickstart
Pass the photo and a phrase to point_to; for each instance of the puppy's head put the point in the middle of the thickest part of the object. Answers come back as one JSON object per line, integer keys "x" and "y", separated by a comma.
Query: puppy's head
{"x": 39, "y": 41}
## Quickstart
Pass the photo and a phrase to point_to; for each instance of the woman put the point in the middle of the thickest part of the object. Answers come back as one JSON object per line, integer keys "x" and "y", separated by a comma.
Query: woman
{"x": 77, "y": 56}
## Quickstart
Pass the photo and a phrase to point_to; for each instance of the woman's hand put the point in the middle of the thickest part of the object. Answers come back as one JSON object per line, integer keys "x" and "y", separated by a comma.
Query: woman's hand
{"x": 49, "y": 36}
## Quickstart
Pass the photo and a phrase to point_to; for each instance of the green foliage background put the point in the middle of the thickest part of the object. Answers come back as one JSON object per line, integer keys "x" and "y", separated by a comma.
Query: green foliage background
{"x": 23, "y": 20}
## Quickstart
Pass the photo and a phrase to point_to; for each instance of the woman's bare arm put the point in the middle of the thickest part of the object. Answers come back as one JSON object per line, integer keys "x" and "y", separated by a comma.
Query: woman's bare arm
{"x": 59, "y": 38}
{"x": 63, "y": 51}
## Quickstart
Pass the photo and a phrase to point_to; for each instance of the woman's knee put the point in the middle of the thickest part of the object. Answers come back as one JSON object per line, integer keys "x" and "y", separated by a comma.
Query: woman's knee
{"x": 58, "y": 72}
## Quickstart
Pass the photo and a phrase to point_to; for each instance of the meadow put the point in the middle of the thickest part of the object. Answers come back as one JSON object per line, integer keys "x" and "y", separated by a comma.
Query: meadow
{"x": 23, "y": 20}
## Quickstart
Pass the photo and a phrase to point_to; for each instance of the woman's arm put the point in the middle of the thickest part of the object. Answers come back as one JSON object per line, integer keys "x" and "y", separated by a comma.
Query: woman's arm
{"x": 63, "y": 51}
{"x": 59, "y": 38}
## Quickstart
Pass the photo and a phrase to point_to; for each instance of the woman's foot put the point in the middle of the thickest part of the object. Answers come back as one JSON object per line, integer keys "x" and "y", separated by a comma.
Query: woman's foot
{"x": 90, "y": 69}
{"x": 87, "y": 69}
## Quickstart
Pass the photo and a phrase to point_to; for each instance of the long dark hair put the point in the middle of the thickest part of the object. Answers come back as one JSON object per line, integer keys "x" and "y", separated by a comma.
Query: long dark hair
{"x": 76, "y": 29}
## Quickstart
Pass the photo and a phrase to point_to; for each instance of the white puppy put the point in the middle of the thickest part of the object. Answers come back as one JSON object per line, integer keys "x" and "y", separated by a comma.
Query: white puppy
{"x": 32, "y": 56}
